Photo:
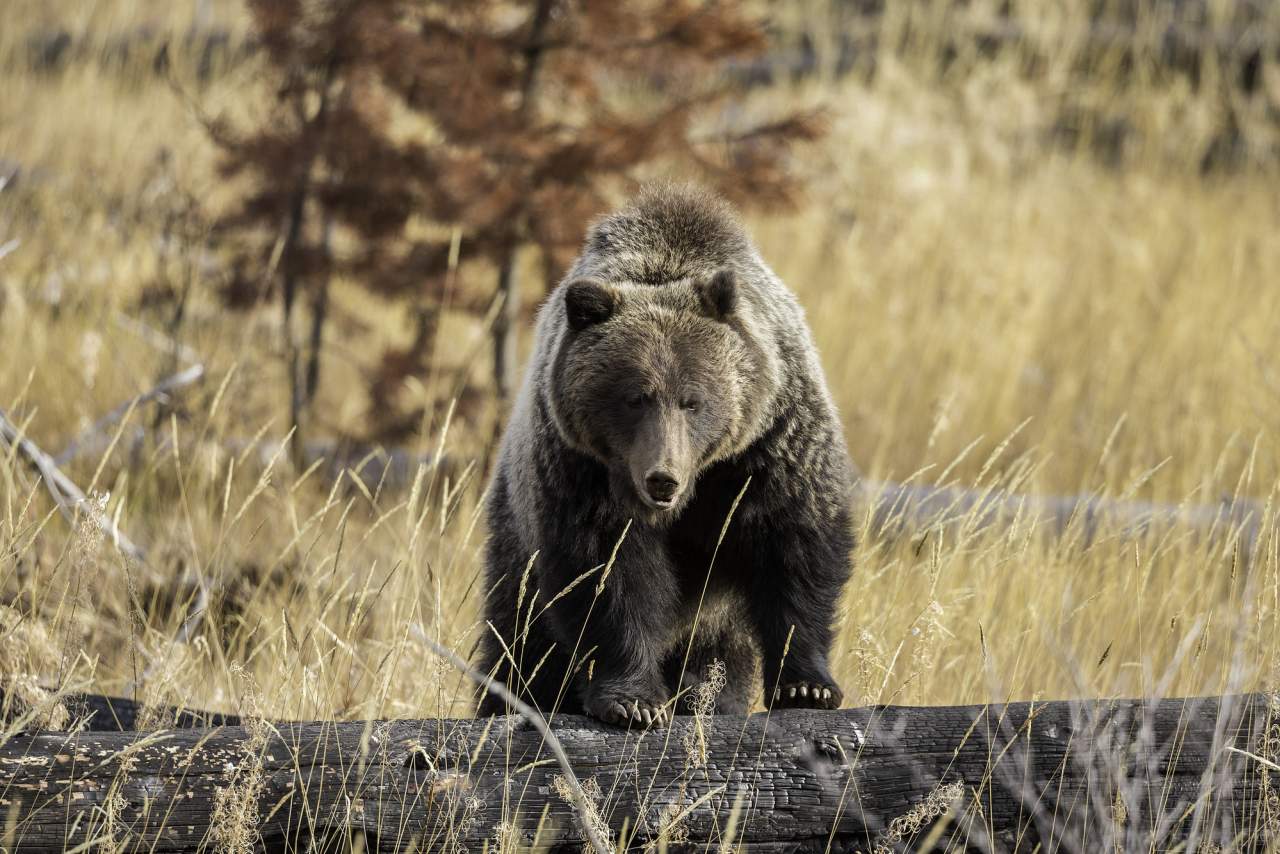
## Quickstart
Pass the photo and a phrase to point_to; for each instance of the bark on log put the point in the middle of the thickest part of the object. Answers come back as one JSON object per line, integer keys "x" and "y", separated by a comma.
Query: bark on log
{"x": 1070, "y": 776}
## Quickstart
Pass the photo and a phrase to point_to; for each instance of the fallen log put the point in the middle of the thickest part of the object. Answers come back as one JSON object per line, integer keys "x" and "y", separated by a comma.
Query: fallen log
{"x": 100, "y": 713}
{"x": 1069, "y": 776}
{"x": 897, "y": 508}
{"x": 210, "y": 51}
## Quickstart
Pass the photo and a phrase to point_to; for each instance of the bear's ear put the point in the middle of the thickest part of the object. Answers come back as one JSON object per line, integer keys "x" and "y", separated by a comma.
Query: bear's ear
{"x": 588, "y": 302}
{"x": 719, "y": 295}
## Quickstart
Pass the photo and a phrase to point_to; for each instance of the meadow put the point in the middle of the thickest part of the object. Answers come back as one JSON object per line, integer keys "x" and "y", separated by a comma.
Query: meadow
{"x": 998, "y": 305}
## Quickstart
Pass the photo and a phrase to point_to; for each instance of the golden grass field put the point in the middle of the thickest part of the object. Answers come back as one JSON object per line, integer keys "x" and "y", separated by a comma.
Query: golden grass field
{"x": 991, "y": 312}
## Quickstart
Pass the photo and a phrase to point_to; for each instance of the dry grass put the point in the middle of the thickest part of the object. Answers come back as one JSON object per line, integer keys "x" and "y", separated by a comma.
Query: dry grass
{"x": 991, "y": 311}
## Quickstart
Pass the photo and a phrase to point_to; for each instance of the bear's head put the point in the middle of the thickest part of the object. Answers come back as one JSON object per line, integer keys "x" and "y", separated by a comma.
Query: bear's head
{"x": 653, "y": 382}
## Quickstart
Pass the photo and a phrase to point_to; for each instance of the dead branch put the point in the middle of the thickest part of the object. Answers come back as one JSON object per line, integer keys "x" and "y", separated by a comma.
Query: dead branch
{"x": 69, "y": 497}
{"x": 90, "y": 437}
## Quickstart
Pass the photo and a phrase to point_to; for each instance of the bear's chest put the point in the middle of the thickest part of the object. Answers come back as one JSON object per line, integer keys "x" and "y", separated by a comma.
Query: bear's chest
{"x": 710, "y": 528}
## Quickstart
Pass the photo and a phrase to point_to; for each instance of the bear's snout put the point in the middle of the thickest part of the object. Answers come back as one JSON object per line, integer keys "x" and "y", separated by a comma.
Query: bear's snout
{"x": 659, "y": 459}
{"x": 661, "y": 486}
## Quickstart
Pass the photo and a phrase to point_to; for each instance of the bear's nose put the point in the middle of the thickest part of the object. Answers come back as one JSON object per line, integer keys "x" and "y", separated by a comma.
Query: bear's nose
{"x": 661, "y": 486}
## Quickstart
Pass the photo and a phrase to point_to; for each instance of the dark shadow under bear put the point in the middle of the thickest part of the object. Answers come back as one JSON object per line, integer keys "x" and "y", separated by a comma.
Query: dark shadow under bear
{"x": 672, "y": 489}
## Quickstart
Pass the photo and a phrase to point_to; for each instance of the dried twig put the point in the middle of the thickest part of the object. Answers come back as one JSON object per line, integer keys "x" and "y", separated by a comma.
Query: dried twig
{"x": 69, "y": 497}
{"x": 582, "y": 806}
{"x": 156, "y": 338}
{"x": 161, "y": 392}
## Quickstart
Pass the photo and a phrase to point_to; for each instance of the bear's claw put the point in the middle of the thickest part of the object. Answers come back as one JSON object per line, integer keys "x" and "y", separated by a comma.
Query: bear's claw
{"x": 806, "y": 695}
{"x": 632, "y": 712}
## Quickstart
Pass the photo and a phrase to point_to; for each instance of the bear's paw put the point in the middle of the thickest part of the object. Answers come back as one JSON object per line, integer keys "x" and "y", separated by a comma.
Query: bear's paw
{"x": 628, "y": 711}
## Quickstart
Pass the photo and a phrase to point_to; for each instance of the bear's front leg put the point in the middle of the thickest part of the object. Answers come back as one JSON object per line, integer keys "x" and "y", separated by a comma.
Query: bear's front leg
{"x": 619, "y": 623}
{"x": 798, "y": 586}
{"x": 622, "y": 682}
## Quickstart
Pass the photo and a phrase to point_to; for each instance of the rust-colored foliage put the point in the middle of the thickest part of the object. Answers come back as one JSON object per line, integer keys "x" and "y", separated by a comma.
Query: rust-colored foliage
{"x": 536, "y": 114}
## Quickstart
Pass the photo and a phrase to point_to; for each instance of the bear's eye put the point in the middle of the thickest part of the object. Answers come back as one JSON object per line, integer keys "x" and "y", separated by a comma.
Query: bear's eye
{"x": 691, "y": 404}
{"x": 637, "y": 400}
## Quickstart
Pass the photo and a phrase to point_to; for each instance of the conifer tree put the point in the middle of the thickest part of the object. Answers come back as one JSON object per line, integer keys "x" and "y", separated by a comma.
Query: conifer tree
{"x": 532, "y": 118}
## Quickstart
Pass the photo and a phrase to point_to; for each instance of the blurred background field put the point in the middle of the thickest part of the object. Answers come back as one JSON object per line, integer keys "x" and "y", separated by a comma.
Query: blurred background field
{"x": 1038, "y": 247}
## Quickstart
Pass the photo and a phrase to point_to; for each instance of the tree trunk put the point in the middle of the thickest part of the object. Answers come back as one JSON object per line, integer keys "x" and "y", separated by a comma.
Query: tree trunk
{"x": 304, "y": 374}
{"x": 1070, "y": 776}
{"x": 319, "y": 316}
{"x": 507, "y": 323}
{"x": 288, "y": 298}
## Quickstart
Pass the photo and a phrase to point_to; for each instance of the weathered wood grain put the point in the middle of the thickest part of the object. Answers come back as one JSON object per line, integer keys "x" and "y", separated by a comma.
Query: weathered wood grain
{"x": 1072, "y": 776}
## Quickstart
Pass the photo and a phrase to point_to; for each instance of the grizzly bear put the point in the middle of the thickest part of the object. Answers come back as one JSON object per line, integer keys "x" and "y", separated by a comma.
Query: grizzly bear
{"x": 672, "y": 489}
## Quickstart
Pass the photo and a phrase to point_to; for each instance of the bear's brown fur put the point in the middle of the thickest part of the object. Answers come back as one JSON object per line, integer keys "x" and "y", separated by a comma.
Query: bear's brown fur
{"x": 673, "y": 375}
